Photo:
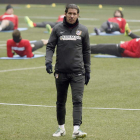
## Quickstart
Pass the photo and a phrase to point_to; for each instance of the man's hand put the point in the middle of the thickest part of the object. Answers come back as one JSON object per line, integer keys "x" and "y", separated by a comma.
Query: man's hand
{"x": 87, "y": 77}
{"x": 49, "y": 68}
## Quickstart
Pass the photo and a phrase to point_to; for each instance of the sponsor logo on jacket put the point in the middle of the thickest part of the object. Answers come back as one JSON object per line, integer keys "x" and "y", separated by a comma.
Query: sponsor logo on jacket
{"x": 18, "y": 48}
{"x": 70, "y": 37}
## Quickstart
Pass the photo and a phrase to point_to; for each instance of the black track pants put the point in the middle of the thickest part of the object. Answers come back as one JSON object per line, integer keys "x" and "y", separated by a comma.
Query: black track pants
{"x": 76, "y": 81}
{"x": 104, "y": 27}
{"x": 43, "y": 24}
{"x": 111, "y": 49}
{"x": 133, "y": 36}
{"x": 37, "y": 45}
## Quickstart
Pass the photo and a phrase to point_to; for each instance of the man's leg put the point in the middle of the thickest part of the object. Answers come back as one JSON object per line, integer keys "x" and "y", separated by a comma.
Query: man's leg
{"x": 112, "y": 27}
{"x": 132, "y": 35}
{"x": 43, "y": 24}
{"x": 62, "y": 84}
{"x": 77, "y": 87}
{"x": 103, "y": 27}
{"x": 6, "y": 25}
{"x": 129, "y": 33}
{"x": 111, "y": 49}
{"x": 38, "y": 44}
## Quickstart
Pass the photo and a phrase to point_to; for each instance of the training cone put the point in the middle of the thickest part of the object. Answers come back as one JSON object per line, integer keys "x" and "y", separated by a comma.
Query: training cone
{"x": 100, "y": 6}
{"x": 120, "y": 8}
{"x": 53, "y": 5}
{"x": 28, "y": 6}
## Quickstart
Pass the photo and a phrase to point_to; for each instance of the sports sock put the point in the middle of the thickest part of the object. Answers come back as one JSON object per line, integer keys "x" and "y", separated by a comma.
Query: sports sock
{"x": 34, "y": 24}
{"x": 62, "y": 127}
{"x": 76, "y": 127}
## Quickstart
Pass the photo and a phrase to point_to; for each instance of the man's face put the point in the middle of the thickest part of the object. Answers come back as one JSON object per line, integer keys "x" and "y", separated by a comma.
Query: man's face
{"x": 10, "y": 11}
{"x": 71, "y": 16}
{"x": 117, "y": 14}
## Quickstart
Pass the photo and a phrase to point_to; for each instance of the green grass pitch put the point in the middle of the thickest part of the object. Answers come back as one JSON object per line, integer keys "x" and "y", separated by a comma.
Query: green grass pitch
{"x": 109, "y": 99}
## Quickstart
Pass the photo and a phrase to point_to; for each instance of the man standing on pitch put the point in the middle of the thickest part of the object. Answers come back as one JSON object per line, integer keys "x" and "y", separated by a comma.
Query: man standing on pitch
{"x": 72, "y": 67}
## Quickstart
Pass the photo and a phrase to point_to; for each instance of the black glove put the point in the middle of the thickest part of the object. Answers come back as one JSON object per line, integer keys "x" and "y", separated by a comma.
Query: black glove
{"x": 121, "y": 50}
{"x": 49, "y": 68}
{"x": 87, "y": 77}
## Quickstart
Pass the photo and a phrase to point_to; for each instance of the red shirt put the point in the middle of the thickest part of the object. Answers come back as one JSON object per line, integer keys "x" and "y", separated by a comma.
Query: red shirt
{"x": 132, "y": 48}
{"x": 60, "y": 18}
{"x": 12, "y": 18}
{"x": 120, "y": 21}
{"x": 22, "y": 48}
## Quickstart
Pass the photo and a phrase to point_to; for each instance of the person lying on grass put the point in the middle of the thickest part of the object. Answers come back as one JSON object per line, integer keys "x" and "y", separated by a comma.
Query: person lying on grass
{"x": 8, "y": 21}
{"x": 116, "y": 23}
{"x": 127, "y": 49}
{"x": 21, "y": 46}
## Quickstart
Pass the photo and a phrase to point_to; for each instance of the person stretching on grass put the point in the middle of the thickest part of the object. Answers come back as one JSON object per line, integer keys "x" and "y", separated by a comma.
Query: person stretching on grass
{"x": 127, "y": 49}
{"x": 21, "y": 46}
{"x": 45, "y": 24}
{"x": 8, "y": 21}
{"x": 116, "y": 23}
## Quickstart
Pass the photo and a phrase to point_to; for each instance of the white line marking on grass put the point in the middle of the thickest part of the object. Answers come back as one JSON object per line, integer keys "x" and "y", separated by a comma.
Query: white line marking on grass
{"x": 93, "y": 108}
{"x": 98, "y": 108}
{"x": 2, "y": 44}
{"x": 137, "y": 30}
{"x": 25, "y": 105}
{"x": 132, "y": 20}
{"x": 22, "y": 69}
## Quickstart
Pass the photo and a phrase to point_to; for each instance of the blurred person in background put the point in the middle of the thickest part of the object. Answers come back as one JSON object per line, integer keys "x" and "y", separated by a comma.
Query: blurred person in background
{"x": 45, "y": 24}
{"x": 116, "y": 23}
{"x": 22, "y": 47}
{"x": 126, "y": 49}
{"x": 8, "y": 21}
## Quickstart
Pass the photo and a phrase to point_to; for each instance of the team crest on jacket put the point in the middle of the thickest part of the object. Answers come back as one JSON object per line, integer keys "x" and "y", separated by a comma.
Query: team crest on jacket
{"x": 78, "y": 32}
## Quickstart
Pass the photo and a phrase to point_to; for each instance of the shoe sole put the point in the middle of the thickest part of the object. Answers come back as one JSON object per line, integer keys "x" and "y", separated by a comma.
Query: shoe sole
{"x": 82, "y": 136}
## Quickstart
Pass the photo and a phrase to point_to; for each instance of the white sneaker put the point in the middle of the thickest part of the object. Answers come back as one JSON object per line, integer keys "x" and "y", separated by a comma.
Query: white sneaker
{"x": 59, "y": 132}
{"x": 79, "y": 134}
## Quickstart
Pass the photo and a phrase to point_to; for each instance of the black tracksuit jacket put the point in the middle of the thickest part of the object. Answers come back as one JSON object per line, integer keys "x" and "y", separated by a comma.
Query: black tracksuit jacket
{"x": 73, "y": 49}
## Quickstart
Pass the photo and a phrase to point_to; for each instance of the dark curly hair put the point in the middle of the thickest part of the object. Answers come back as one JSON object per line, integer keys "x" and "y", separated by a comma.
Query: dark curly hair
{"x": 72, "y": 6}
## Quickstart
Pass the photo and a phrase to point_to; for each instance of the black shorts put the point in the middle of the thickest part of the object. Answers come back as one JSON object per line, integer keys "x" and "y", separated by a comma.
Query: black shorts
{"x": 9, "y": 27}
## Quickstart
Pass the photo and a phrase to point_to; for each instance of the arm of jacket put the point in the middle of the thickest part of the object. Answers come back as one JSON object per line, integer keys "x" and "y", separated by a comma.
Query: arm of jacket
{"x": 9, "y": 49}
{"x": 86, "y": 51}
{"x": 28, "y": 49}
{"x": 50, "y": 47}
{"x": 122, "y": 29}
{"x": 16, "y": 22}
{"x": 0, "y": 17}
